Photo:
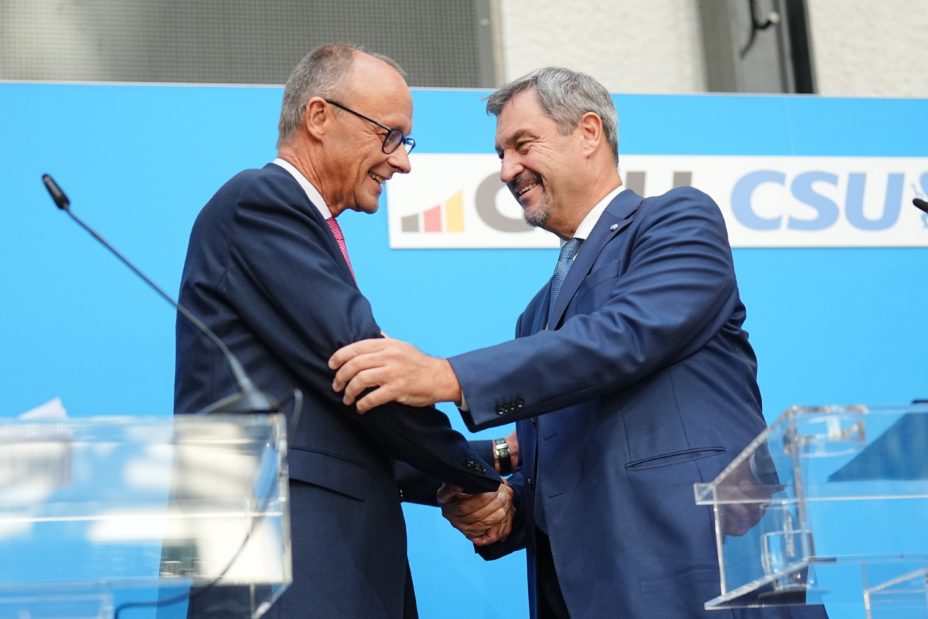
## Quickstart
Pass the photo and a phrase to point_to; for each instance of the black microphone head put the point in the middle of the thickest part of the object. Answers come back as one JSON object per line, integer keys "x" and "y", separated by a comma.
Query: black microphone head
{"x": 921, "y": 205}
{"x": 61, "y": 200}
{"x": 247, "y": 399}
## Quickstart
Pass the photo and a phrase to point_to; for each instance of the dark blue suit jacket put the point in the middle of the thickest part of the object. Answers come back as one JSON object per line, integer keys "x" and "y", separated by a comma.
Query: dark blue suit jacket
{"x": 651, "y": 386}
{"x": 265, "y": 273}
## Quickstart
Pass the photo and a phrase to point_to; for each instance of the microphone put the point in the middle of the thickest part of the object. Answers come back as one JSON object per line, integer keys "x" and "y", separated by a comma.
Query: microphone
{"x": 248, "y": 399}
{"x": 920, "y": 204}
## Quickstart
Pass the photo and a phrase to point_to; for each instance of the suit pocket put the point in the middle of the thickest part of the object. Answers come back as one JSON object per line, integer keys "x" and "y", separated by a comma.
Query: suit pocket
{"x": 675, "y": 457}
{"x": 600, "y": 275}
{"x": 595, "y": 280}
{"x": 328, "y": 471}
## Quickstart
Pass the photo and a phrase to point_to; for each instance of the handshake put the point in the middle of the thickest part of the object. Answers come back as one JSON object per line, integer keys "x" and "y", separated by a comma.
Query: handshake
{"x": 369, "y": 373}
{"x": 482, "y": 518}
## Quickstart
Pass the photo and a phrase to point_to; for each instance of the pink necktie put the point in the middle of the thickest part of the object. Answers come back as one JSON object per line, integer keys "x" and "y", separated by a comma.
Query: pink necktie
{"x": 340, "y": 239}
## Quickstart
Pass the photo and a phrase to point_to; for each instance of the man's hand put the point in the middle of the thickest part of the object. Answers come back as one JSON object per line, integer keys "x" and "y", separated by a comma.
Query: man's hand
{"x": 513, "y": 441}
{"x": 746, "y": 500}
{"x": 483, "y": 518}
{"x": 393, "y": 371}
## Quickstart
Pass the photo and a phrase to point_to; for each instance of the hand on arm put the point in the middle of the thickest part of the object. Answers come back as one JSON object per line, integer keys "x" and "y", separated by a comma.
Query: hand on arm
{"x": 374, "y": 372}
{"x": 482, "y": 518}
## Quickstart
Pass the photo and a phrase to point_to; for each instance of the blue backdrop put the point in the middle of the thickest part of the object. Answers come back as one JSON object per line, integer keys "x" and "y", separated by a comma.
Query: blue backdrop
{"x": 138, "y": 162}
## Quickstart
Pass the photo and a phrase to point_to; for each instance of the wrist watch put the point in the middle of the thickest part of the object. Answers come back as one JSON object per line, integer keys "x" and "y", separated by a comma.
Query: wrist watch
{"x": 501, "y": 451}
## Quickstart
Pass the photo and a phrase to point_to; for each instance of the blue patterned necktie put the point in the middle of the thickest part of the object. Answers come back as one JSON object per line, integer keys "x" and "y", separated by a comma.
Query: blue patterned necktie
{"x": 568, "y": 252}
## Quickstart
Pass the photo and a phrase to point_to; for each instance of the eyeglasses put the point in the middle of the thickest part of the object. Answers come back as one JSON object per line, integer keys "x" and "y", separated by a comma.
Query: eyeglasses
{"x": 394, "y": 137}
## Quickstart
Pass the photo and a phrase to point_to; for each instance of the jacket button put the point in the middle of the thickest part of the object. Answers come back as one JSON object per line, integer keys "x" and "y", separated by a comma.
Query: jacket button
{"x": 473, "y": 465}
{"x": 534, "y": 421}
{"x": 530, "y": 482}
{"x": 520, "y": 403}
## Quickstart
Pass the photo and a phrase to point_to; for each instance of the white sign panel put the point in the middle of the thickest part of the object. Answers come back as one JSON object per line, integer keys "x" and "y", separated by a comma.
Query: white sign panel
{"x": 458, "y": 201}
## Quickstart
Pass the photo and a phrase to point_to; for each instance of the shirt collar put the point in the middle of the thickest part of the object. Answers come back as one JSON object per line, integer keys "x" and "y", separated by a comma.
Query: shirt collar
{"x": 589, "y": 222}
{"x": 311, "y": 192}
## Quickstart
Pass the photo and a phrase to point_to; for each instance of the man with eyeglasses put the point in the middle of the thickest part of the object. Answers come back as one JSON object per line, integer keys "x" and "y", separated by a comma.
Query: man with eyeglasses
{"x": 267, "y": 269}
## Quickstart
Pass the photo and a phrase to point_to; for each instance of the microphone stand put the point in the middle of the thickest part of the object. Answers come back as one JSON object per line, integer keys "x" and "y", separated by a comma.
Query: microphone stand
{"x": 248, "y": 399}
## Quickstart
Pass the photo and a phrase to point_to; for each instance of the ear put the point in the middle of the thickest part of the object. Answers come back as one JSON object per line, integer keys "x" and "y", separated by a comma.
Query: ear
{"x": 591, "y": 132}
{"x": 316, "y": 117}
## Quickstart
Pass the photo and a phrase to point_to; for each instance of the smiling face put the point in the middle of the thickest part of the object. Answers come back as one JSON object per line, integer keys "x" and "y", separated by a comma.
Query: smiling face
{"x": 540, "y": 165}
{"x": 356, "y": 165}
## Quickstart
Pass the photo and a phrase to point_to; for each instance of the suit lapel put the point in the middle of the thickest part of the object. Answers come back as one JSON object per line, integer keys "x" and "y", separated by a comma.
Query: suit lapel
{"x": 616, "y": 218}
{"x": 537, "y": 311}
{"x": 306, "y": 205}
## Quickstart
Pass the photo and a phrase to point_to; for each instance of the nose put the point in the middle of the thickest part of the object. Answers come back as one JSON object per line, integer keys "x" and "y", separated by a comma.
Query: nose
{"x": 509, "y": 168}
{"x": 399, "y": 160}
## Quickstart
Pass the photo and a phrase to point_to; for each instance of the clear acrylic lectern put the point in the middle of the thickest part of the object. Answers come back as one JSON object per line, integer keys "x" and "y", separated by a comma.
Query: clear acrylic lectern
{"x": 143, "y": 517}
{"x": 828, "y": 505}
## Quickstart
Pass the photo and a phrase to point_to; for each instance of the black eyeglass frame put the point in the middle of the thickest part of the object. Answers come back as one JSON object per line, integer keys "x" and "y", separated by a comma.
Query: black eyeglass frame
{"x": 388, "y": 143}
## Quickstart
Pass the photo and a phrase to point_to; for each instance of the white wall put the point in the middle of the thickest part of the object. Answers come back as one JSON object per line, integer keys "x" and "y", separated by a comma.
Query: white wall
{"x": 860, "y": 47}
{"x": 629, "y": 45}
{"x": 870, "y": 47}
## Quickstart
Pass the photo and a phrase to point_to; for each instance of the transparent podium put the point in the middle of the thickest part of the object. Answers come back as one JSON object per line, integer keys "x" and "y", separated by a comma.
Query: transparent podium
{"x": 829, "y": 505}
{"x": 143, "y": 517}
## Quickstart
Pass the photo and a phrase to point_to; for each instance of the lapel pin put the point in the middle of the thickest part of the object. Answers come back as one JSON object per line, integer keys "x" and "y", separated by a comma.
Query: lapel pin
{"x": 613, "y": 227}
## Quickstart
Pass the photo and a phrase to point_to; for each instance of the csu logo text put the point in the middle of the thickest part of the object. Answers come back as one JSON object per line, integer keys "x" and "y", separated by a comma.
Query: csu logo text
{"x": 458, "y": 201}
{"x": 817, "y": 199}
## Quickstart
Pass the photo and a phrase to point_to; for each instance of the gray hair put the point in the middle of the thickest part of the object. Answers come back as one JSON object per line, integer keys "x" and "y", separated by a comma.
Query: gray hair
{"x": 320, "y": 73}
{"x": 565, "y": 96}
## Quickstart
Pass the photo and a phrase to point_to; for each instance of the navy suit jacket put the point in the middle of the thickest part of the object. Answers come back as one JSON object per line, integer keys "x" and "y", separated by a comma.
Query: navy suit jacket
{"x": 265, "y": 273}
{"x": 643, "y": 385}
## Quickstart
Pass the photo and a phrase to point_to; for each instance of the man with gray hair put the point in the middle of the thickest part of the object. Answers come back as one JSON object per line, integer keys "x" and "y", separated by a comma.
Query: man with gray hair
{"x": 267, "y": 269}
{"x": 630, "y": 377}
